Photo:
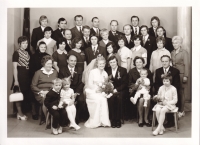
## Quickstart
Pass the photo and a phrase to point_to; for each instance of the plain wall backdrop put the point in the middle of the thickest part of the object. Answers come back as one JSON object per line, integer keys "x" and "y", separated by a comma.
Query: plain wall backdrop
{"x": 167, "y": 15}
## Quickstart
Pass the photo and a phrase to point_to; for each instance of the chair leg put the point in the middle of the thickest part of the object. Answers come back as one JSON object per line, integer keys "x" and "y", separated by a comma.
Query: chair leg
{"x": 51, "y": 124}
{"x": 47, "y": 120}
{"x": 175, "y": 120}
{"x": 153, "y": 120}
{"x": 40, "y": 114}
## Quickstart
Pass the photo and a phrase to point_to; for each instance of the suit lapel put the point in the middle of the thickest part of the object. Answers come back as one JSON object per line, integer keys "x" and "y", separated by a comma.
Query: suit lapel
{"x": 67, "y": 71}
{"x": 118, "y": 71}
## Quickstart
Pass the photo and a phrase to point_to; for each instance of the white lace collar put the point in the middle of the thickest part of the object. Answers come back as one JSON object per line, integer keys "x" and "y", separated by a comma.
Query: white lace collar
{"x": 45, "y": 72}
{"x": 61, "y": 52}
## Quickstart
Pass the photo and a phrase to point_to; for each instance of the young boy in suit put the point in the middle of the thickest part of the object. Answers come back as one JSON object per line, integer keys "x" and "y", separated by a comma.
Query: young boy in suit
{"x": 86, "y": 37}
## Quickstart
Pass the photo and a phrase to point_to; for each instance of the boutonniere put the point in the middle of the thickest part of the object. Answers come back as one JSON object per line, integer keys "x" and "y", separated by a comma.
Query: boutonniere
{"x": 119, "y": 77}
{"x": 148, "y": 39}
{"x": 166, "y": 74}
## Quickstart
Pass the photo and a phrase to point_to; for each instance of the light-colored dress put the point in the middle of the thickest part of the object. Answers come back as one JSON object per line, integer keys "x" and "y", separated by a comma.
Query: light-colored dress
{"x": 66, "y": 95}
{"x": 124, "y": 54}
{"x": 138, "y": 51}
{"x": 155, "y": 61}
{"x": 168, "y": 94}
{"x": 51, "y": 45}
{"x": 96, "y": 102}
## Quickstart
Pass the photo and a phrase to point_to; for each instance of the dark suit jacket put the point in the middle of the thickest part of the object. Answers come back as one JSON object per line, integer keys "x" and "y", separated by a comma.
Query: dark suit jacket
{"x": 56, "y": 35}
{"x": 92, "y": 33}
{"x": 37, "y": 34}
{"x": 76, "y": 33}
{"x": 67, "y": 47}
{"x": 133, "y": 75}
{"x": 89, "y": 54}
{"x": 114, "y": 39}
{"x": 85, "y": 45}
{"x": 168, "y": 44}
{"x": 151, "y": 32}
{"x": 132, "y": 33}
{"x": 131, "y": 43}
{"x": 120, "y": 80}
{"x": 76, "y": 80}
{"x": 52, "y": 98}
{"x": 175, "y": 78}
{"x": 150, "y": 46}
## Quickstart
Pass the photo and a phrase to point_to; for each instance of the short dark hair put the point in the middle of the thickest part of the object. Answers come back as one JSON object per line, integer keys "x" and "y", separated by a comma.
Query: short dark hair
{"x": 114, "y": 21}
{"x": 136, "y": 58}
{"x": 113, "y": 46}
{"x": 94, "y": 18}
{"x": 120, "y": 37}
{"x": 155, "y": 18}
{"x": 65, "y": 30}
{"x": 112, "y": 57}
{"x": 161, "y": 27}
{"x": 68, "y": 56}
{"x": 41, "y": 42}
{"x": 94, "y": 36}
{"x": 61, "y": 19}
{"x": 86, "y": 27}
{"x": 48, "y": 29}
{"x": 45, "y": 59}
{"x": 160, "y": 38}
{"x": 43, "y": 17}
{"x": 76, "y": 40}
{"x": 168, "y": 76}
{"x": 144, "y": 26}
{"x": 78, "y": 16}
{"x": 61, "y": 40}
{"x": 165, "y": 56}
{"x": 135, "y": 17}
{"x": 22, "y": 39}
{"x": 135, "y": 37}
{"x": 128, "y": 25}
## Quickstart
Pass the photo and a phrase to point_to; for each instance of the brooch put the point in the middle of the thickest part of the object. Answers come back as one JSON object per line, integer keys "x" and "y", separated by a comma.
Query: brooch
{"x": 118, "y": 75}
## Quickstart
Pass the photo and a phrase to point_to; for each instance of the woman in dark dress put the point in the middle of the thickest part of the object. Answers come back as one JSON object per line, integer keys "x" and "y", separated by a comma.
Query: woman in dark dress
{"x": 133, "y": 76}
{"x": 35, "y": 64}
{"x": 80, "y": 55}
{"x": 60, "y": 56}
{"x": 20, "y": 61}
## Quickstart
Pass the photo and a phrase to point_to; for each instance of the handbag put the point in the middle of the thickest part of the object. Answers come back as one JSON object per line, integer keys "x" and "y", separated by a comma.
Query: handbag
{"x": 16, "y": 95}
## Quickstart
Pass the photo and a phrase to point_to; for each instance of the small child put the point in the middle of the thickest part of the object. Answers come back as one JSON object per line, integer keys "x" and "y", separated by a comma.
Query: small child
{"x": 144, "y": 86}
{"x": 68, "y": 97}
{"x": 104, "y": 34}
{"x": 166, "y": 98}
{"x": 51, "y": 102}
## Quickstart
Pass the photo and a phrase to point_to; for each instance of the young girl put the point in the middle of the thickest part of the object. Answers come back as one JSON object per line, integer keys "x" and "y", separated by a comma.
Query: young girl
{"x": 51, "y": 102}
{"x": 166, "y": 98}
{"x": 104, "y": 34}
{"x": 67, "y": 97}
{"x": 144, "y": 86}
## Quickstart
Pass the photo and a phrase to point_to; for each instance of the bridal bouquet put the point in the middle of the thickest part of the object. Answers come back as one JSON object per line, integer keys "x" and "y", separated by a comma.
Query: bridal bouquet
{"x": 107, "y": 87}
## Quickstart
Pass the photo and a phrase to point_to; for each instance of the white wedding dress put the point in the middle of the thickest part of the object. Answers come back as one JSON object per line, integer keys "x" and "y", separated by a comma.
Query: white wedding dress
{"x": 96, "y": 102}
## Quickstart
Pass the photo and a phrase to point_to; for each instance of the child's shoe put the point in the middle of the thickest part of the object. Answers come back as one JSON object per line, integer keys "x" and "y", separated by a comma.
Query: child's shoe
{"x": 60, "y": 130}
{"x": 77, "y": 127}
{"x": 55, "y": 131}
{"x": 22, "y": 117}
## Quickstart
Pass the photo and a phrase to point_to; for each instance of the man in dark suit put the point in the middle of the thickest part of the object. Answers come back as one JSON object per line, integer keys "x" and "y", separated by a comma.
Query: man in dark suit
{"x": 58, "y": 33}
{"x": 129, "y": 38}
{"x": 165, "y": 59}
{"x": 149, "y": 43}
{"x": 86, "y": 37}
{"x": 76, "y": 85}
{"x": 95, "y": 28}
{"x": 94, "y": 50}
{"x": 155, "y": 22}
{"x": 68, "y": 36}
{"x": 77, "y": 30}
{"x": 113, "y": 33}
{"x": 38, "y": 33}
{"x": 135, "y": 25}
{"x": 119, "y": 78}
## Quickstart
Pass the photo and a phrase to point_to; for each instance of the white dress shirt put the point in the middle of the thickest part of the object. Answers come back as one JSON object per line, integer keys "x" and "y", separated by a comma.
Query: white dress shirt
{"x": 42, "y": 28}
{"x": 138, "y": 29}
{"x": 114, "y": 71}
{"x": 78, "y": 27}
{"x": 166, "y": 69}
{"x": 146, "y": 37}
{"x": 128, "y": 38}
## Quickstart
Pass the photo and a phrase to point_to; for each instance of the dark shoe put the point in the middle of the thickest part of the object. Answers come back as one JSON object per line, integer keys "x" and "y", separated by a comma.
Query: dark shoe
{"x": 169, "y": 125}
{"x": 49, "y": 126}
{"x": 140, "y": 124}
{"x": 113, "y": 124}
{"x": 35, "y": 117}
{"x": 118, "y": 124}
{"x": 147, "y": 124}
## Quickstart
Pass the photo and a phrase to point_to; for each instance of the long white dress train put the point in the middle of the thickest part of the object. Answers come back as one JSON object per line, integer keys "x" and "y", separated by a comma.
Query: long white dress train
{"x": 96, "y": 102}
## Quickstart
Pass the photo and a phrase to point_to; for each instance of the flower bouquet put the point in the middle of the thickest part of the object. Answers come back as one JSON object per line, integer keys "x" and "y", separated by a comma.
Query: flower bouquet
{"x": 106, "y": 87}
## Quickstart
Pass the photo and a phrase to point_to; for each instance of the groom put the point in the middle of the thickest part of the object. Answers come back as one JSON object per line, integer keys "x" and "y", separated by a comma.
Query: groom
{"x": 77, "y": 85}
{"x": 120, "y": 81}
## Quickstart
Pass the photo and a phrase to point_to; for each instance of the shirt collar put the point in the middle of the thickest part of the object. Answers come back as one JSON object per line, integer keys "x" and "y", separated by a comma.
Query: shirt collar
{"x": 167, "y": 69}
{"x": 45, "y": 72}
{"x": 115, "y": 69}
{"x": 146, "y": 37}
{"x": 78, "y": 27}
{"x": 55, "y": 91}
{"x": 42, "y": 28}
{"x": 129, "y": 36}
{"x": 71, "y": 68}
{"x": 162, "y": 49}
{"x": 105, "y": 40}
{"x": 95, "y": 29}
{"x": 95, "y": 46}
{"x": 61, "y": 52}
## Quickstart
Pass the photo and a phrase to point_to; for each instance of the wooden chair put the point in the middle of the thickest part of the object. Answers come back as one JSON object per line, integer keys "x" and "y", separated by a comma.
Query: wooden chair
{"x": 47, "y": 118}
{"x": 175, "y": 112}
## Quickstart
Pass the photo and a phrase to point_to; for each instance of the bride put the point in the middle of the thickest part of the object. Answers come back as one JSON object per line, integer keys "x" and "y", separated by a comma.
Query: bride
{"x": 94, "y": 75}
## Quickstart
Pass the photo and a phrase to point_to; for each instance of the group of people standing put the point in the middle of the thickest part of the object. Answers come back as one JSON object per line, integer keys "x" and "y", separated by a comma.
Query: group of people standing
{"x": 68, "y": 65}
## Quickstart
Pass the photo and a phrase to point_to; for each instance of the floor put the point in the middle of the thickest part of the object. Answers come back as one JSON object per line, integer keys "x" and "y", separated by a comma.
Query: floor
{"x": 32, "y": 129}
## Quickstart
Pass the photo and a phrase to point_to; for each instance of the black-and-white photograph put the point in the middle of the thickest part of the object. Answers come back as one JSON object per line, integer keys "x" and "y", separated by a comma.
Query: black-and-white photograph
{"x": 99, "y": 72}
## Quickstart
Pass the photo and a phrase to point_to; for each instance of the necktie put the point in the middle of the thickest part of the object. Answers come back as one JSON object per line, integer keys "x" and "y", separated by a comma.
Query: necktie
{"x": 155, "y": 32}
{"x": 97, "y": 32}
{"x": 135, "y": 31}
{"x": 143, "y": 40}
{"x": 87, "y": 40}
{"x": 114, "y": 33}
{"x": 128, "y": 38}
{"x": 165, "y": 71}
{"x": 80, "y": 28}
{"x": 94, "y": 50}
{"x": 69, "y": 42}
{"x": 71, "y": 71}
